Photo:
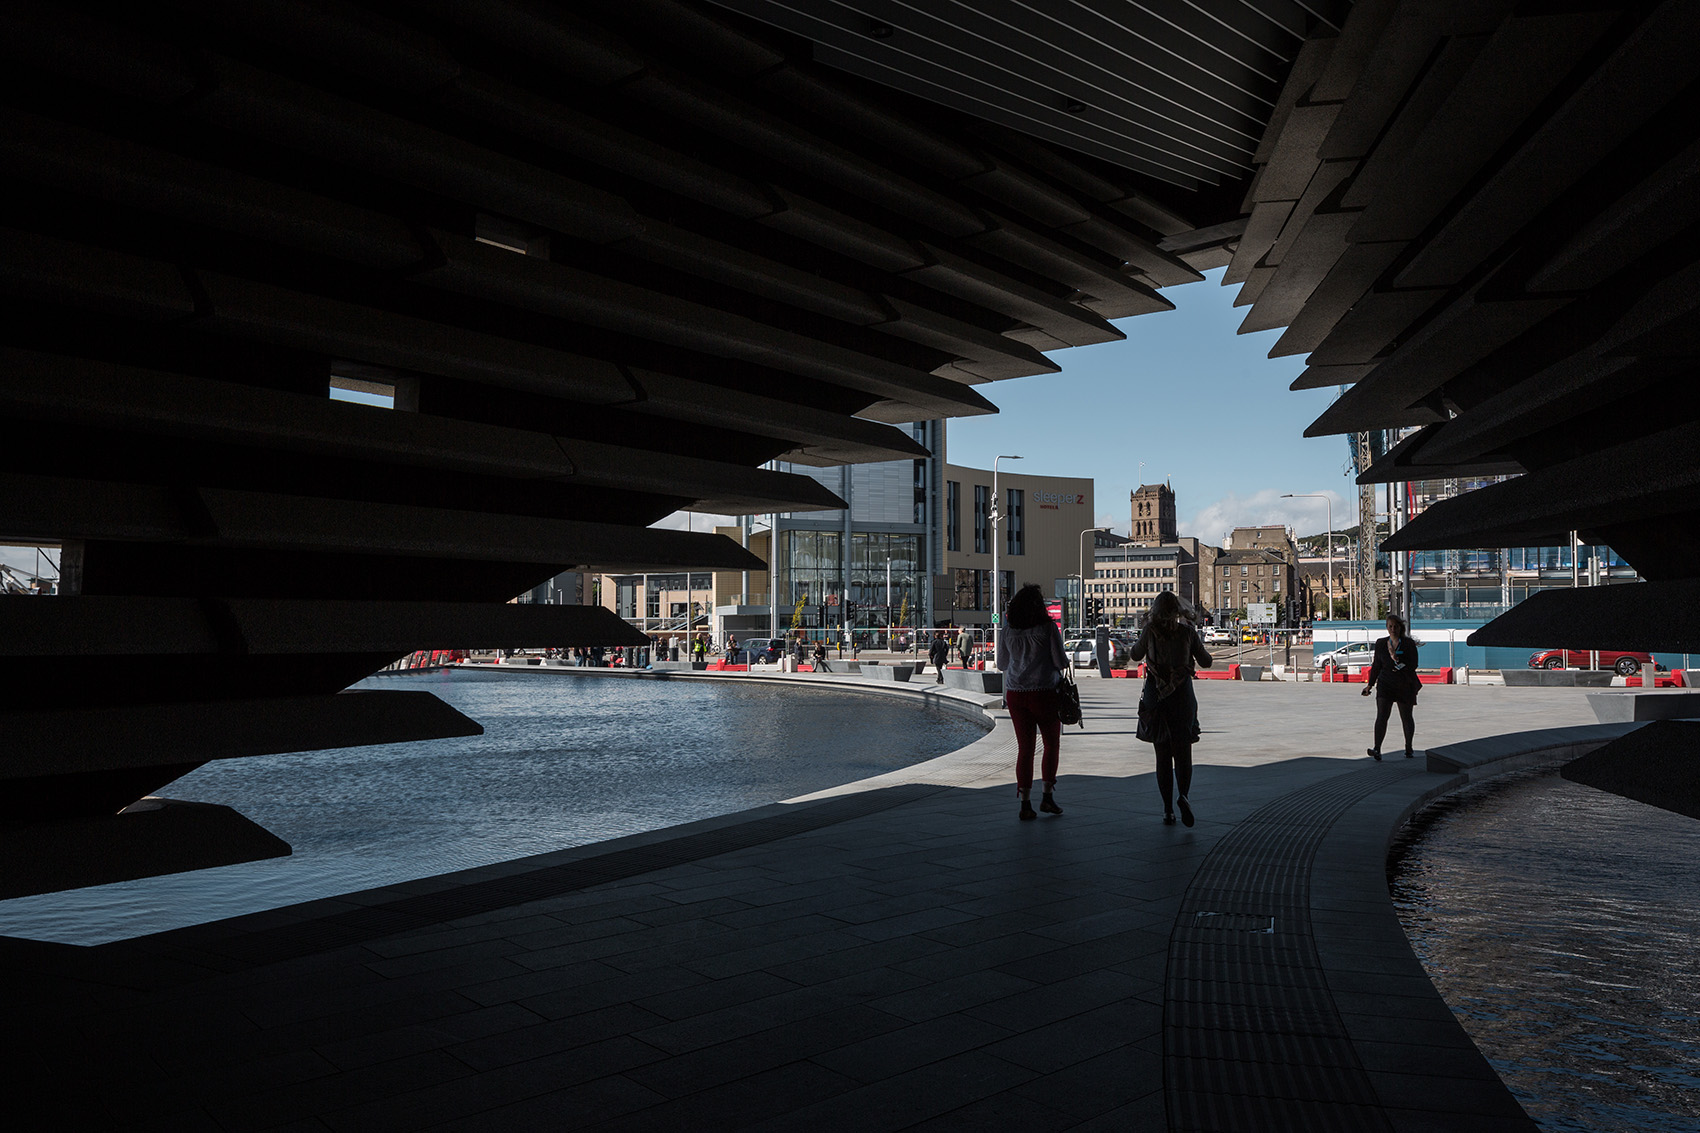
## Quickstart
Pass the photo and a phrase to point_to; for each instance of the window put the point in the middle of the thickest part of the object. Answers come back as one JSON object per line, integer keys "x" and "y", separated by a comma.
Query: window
{"x": 1244, "y": 570}
{"x": 953, "y": 515}
{"x": 982, "y": 520}
{"x": 1015, "y": 535}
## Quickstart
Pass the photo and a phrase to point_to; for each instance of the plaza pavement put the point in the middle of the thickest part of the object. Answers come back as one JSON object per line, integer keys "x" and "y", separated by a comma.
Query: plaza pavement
{"x": 899, "y": 953}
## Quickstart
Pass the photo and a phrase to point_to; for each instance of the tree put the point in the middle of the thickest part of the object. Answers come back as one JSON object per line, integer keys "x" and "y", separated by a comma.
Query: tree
{"x": 903, "y": 612}
{"x": 797, "y": 613}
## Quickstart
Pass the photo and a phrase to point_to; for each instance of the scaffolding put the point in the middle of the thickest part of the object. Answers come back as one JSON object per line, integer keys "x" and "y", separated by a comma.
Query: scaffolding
{"x": 1363, "y": 593}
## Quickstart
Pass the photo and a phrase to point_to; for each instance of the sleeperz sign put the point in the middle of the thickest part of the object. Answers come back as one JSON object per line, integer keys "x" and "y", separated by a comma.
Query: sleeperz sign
{"x": 1055, "y": 499}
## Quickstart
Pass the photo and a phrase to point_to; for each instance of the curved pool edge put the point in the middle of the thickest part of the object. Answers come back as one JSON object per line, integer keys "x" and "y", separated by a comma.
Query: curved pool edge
{"x": 442, "y": 895}
{"x": 1362, "y": 946}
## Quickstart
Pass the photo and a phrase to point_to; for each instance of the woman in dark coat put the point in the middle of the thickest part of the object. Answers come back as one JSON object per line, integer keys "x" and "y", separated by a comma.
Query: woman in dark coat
{"x": 1170, "y": 649}
{"x": 1393, "y": 677}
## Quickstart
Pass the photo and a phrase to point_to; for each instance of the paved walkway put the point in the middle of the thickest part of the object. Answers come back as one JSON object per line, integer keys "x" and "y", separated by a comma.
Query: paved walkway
{"x": 900, "y": 953}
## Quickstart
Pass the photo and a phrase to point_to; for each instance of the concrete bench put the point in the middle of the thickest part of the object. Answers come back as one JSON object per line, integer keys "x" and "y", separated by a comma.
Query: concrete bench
{"x": 1645, "y": 704}
{"x": 973, "y": 680}
{"x": 900, "y": 673}
{"x": 1557, "y": 678}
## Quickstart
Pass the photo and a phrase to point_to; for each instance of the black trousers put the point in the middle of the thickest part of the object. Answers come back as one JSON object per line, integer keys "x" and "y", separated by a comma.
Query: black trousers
{"x": 1174, "y": 769}
{"x": 1384, "y": 709}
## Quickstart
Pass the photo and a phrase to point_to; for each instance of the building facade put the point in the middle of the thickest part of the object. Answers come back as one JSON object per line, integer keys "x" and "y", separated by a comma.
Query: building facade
{"x": 1046, "y": 521}
{"x": 1151, "y": 515}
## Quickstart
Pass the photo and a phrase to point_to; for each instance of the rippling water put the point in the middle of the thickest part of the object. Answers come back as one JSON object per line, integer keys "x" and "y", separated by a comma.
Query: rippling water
{"x": 564, "y": 760}
{"x": 1560, "y": 924}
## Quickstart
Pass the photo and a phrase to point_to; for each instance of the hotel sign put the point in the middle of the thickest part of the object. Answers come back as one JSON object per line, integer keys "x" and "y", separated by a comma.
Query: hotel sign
{"x": 1056, "y": 501}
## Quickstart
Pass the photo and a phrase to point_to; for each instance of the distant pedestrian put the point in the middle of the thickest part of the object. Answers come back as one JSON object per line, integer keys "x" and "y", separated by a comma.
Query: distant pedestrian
{"x": 820, "y": 657}
{"x": 1030, "y": 656}
{"x": 964, "y": 646}
{"x": 699, "y": 649}
{"x": 1168, "y": 707}
{"x": 939, "y": 654}
{"x": 731, "y": 648}
{"x": 1393, "y": 677}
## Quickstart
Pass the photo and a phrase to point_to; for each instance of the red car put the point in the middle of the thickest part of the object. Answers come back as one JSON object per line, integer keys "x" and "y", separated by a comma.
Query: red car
{"x": 1626, "y": 663}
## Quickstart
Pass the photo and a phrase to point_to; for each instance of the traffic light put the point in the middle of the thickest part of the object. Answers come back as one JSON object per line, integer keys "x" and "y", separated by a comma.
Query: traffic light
{"x": 850, "y": 613}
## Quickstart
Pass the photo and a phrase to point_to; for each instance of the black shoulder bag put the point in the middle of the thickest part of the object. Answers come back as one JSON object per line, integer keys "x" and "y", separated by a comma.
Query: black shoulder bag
{"x": 1068, "y": 699}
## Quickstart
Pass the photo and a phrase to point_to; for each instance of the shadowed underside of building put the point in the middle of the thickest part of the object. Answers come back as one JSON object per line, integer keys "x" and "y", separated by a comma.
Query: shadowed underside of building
{"x": 603, "y": 263}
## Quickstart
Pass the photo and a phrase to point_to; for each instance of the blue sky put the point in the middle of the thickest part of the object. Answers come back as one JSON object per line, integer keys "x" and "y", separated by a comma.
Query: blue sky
{"x": 1199, "y": 403}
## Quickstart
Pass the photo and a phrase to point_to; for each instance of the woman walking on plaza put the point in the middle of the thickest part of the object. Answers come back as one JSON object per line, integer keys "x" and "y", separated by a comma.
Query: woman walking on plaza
{"x": 1030, "y": 654}
{"x": 1170, "y": 648}
{"x": 1393, "y": 676}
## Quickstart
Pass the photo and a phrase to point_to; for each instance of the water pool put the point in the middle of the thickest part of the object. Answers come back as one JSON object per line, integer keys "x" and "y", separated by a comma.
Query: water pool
{"x": 565, "y": 760}
{"x": 1560, "y": 924}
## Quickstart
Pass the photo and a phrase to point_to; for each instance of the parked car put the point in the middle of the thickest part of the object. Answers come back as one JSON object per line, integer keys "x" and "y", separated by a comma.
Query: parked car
{"x": 1082, "y": 652}
{"x": 1627, "y": 664}
{"x": 1357, "y": 653}
{"x": 763, "y": 650}
{"x": 1216, "y": 635}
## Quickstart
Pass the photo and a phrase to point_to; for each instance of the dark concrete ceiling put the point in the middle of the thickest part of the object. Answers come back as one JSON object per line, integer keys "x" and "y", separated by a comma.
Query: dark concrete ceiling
{"x": 613, "y": 259}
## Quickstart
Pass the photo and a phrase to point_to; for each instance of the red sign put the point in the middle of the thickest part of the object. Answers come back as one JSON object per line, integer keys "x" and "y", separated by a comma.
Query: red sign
{"x": 1055, "y": 610}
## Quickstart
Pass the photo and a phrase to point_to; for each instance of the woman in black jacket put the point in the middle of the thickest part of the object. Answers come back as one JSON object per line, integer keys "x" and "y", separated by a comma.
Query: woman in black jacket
{"x": 1170, "y": 648}
{"x": 1393, "y": 676}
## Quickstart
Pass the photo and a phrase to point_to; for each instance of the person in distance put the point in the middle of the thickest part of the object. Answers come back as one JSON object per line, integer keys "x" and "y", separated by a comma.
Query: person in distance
{"x": 1393, "y": 677}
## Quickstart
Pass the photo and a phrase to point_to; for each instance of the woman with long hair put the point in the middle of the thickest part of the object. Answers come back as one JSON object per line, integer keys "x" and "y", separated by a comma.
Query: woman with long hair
{"x": 1393, "y": 677}
{"x": 1030, "y": 654}
{"x": 1169, "y": 646}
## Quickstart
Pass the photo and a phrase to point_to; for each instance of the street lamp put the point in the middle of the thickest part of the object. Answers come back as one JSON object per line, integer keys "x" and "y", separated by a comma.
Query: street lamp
{"x": 1329, "y": 503}
{"x": 997, "y": 537}
{"x": 1081, "y": 540}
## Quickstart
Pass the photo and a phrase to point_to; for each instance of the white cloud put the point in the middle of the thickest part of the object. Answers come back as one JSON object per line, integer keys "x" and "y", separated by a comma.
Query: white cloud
{"x": 1305, "y": 513}
{"x": 694, "y": 521}
{"x": 1117, "y": 524}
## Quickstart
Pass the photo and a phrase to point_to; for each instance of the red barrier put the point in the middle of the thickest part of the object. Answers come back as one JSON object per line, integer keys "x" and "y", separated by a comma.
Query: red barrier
{"x": 723, "y": 667}
{"x": 1438, "y": 677}
{"x": 1231, "y": 673}
{"x": 1662, "y": 680}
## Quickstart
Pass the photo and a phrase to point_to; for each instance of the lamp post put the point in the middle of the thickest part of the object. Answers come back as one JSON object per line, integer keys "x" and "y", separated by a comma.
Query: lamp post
{"x": 1081, "y": 540}
{"x": 1329, "y": 503}
{"x": 997, "y": 537}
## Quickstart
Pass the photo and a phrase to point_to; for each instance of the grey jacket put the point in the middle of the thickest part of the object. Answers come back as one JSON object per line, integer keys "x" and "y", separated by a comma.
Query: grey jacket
{"x": 1031, "y": 658}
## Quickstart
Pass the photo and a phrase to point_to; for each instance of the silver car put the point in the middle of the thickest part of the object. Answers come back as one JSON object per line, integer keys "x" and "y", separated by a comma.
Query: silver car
{"x": 1357, "y": 653}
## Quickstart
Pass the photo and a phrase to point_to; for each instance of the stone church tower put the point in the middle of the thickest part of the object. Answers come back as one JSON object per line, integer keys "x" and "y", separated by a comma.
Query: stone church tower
{"x": 1153, "y": 514}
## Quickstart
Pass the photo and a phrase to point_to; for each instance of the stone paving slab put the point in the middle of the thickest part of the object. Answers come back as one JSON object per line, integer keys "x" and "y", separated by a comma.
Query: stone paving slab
{"x": 900, "y": 953}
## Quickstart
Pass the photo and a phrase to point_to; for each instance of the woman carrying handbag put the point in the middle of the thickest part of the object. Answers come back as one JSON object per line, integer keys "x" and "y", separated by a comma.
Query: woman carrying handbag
{"x": 1030, "y": 655}
{"x": 1168, "y": 708}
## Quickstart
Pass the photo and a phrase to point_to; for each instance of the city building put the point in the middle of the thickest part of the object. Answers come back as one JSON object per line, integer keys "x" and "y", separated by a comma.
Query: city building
{"x": 1045, "y": 523}
{"x": 913, "y": 550}
{"x": 1243, "y": 577}
{"x": 1485, "y": 582}
{"x": 1151, "y": 515}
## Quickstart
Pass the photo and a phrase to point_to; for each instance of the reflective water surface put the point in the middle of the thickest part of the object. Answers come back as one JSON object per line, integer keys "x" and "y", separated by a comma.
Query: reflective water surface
{"x": 564, "y": 761}
{"x": 1560, "y": 924}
